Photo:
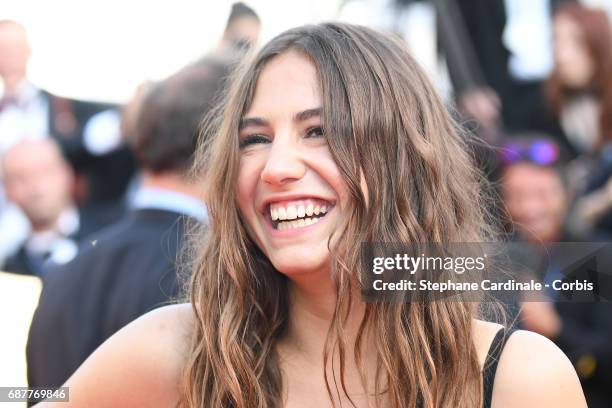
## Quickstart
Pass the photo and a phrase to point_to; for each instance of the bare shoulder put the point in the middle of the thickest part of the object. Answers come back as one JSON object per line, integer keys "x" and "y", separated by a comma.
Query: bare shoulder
{"x": 139, "y": 366}
{"x": 484, "y": 332}
{"x": 532, "y": 371}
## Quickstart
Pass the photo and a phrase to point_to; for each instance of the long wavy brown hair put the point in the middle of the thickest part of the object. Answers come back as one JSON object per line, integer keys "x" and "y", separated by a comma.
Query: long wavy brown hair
{"x": 384, "y": 123}
{"x": 597, "y": 32}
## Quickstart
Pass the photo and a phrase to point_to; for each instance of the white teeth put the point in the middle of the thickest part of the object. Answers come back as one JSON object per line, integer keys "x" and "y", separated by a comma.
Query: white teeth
{"x": 309, "y": 209}
{"x": 291, "y": 213}
{"x": 299, "y": 213}
{"x": 302, "y": 222}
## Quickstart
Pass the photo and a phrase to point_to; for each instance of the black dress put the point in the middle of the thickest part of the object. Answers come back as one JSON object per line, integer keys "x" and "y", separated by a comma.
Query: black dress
{"x": 490, "y": 366}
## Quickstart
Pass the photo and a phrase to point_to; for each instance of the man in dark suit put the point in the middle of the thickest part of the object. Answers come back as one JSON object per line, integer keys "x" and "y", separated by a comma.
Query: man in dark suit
{"x": 129, "y": 268}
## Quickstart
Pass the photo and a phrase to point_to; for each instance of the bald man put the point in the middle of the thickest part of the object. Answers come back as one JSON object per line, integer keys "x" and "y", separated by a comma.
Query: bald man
{"x": 38, "y": 179}
{"x": 14, "y": 55}
{"x": 24, "y": 109}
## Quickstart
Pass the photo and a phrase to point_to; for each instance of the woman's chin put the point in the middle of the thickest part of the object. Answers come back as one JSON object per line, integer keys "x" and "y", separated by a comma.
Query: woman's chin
{"x": 300, "y": 264}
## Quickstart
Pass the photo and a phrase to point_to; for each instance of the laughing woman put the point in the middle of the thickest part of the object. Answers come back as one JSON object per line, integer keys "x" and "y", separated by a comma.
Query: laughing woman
{"x": 331, "y": 135}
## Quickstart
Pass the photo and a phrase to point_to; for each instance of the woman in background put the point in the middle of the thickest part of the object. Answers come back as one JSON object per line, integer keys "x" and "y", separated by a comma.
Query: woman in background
{"x": 330, "y": 136}
{"x": 580, "y": 95}
{"x": 580, "y": 87}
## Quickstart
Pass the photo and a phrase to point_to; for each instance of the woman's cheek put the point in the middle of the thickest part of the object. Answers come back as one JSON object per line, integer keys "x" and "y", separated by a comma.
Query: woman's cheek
{"x": 245, "y": 187}
{"x": 334, "y": 178}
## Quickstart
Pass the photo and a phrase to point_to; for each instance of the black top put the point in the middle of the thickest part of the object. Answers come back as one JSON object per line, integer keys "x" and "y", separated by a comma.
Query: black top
{"x": 490, "y": 366}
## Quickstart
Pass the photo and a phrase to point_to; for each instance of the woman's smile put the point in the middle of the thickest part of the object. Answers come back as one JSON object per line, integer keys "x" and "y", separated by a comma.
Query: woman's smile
{"x": 284, "y": 214}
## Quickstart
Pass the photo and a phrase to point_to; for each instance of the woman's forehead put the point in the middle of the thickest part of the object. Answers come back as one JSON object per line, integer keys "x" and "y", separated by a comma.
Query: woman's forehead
{"x": 287, "y": 84}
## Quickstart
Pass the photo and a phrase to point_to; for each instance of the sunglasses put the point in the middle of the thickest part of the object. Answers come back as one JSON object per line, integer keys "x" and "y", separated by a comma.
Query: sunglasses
{"x": 539, "y": 151}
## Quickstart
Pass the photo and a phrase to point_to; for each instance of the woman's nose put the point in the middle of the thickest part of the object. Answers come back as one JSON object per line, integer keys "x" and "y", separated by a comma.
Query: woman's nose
{"x": 284, "y": 163}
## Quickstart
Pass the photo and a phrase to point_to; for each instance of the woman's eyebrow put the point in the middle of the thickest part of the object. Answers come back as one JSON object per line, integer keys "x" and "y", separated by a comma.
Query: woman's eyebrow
{"x": 298, "y": 117}
{"x": 307, "y": 114}
{"x": 246, "y": 122}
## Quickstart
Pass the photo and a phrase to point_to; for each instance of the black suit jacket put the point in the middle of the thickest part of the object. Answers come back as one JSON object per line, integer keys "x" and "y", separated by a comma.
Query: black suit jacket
{"x": 106, "y": 176}
{"x": 66, "y": 121}
{"x": 119, "y": 274}
{"x": 23, "y": 264}
{"x": 91, "y": 219}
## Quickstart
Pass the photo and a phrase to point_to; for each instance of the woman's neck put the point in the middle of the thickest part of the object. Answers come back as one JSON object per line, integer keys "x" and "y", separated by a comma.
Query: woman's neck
{"x": 312, "y": 306}
{"x": 302, "y": 350}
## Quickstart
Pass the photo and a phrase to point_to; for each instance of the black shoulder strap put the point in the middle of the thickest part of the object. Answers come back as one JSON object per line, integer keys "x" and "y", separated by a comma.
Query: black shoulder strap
{"x": 490, "y": 365}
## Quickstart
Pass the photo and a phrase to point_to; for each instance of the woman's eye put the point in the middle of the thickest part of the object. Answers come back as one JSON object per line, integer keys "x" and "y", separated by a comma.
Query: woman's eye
{"x": 316, "y": 131}
{"x": 253, "y": 139}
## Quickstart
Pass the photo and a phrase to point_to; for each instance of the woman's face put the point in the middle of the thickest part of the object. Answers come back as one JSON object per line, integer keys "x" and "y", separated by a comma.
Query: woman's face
{"x": 290, "y": 192}
{"x": 573, "y": 62}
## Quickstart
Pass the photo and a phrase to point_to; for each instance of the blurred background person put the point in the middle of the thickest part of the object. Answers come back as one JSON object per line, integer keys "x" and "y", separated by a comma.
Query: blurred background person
{"x": 579, "y": 90}
{"x": 537, "y": 201}
{"x": 240, "y": 34}
{"x": 22, "y": 110}
{"x": 241, "y": 30}
{"x": 501, "y": 56}
{"x": 129, "y": 268}
{"x": 512, "y": 43}
{"x": 39, "y": 181}
{"x": 27, "y": 111}
{"x": 495, "y": 53}
{"x": 579, "y": 93}
{"x": 533, "y": 188}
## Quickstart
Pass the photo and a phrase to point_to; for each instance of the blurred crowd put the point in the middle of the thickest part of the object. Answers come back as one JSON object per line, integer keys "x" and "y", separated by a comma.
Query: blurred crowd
{"x": 96, "y": 199}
